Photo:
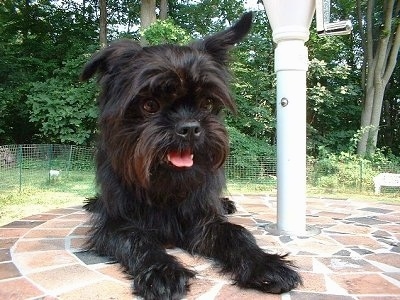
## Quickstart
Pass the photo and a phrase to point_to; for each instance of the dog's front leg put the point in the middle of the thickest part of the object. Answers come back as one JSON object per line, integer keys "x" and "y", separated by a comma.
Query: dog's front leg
{"x": 236, "y": 250}
{"x": 155, "y": 274}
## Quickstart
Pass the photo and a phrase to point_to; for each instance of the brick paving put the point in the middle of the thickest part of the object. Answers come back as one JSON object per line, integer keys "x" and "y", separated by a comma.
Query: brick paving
{"x": 356, "y": 255}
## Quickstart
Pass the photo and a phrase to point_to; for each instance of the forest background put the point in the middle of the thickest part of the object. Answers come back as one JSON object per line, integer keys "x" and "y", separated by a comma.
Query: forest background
{"x": 353, "y": 94}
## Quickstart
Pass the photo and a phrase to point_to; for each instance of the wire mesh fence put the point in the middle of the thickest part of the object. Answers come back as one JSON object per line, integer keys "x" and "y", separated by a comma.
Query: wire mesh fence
{"x": 68, "y": 167}
{"x": 45, "y": 166}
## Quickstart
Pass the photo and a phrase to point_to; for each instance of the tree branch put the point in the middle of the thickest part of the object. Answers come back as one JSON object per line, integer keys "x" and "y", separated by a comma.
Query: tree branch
{"x": 371, "y": 61}
{"x": 391, "y": 62}
{"x": 363, "y": 45}
{"x": 381, "y": 51}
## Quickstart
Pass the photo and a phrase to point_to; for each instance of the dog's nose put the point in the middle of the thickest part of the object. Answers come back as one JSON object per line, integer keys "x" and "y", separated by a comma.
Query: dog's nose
{"x": 188, "y": 129}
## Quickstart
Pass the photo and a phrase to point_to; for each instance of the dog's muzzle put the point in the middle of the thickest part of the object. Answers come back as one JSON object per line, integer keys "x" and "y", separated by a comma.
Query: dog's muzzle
{"x": 188, "y": 130}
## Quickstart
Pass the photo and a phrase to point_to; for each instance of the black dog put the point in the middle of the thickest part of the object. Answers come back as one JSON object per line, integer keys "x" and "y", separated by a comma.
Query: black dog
{"x": 160, "y": 161}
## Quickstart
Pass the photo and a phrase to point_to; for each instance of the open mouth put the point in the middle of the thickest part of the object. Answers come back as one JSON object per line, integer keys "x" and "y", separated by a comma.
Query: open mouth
{"x": 180, "y": 158}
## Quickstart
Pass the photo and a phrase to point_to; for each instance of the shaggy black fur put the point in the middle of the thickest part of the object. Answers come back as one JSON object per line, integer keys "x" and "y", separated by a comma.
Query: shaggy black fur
{"x": 160, "y": 160}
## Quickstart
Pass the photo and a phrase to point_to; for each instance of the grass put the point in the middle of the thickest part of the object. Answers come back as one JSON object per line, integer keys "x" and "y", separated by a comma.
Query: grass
{"x": 40, "y": 194}
{"x": 15, "y": 205}
{"x": 388, "y": 195}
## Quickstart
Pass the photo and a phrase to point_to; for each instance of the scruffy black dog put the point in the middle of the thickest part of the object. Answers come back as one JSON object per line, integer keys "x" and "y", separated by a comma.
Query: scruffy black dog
{"x": 160, "y": 161}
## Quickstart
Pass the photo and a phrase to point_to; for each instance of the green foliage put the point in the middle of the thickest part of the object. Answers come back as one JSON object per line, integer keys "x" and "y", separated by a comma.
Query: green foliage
{"x": 43, "y": 44}
{"x": 165, "y": 32}
{"x": 347, "y": 170}
{"x": 37, "y": 38}
{"x": 64, "y": 108}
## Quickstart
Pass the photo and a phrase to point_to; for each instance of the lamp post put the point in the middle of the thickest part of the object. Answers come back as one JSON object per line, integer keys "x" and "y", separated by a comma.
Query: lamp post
{"x": 290, "y": 21}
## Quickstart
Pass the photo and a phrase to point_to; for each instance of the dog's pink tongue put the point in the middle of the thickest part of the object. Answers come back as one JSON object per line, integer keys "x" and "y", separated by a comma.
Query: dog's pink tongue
{"x": 181, "y": 159}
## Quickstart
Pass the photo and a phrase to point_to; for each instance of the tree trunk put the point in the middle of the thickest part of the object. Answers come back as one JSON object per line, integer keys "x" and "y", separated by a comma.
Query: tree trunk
{"x": 380, "y": 51}
{"x": 163, "y": 9}
{"x": 103, "y": 23}
{"x": 147, "y": 17}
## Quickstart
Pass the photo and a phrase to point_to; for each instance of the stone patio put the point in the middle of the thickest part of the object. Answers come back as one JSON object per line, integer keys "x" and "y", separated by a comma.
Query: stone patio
{"x": 356, "y": 256}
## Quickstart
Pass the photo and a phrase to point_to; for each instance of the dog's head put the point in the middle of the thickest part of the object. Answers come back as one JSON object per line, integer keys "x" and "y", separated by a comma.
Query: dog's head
{"x": 160, "y": 106}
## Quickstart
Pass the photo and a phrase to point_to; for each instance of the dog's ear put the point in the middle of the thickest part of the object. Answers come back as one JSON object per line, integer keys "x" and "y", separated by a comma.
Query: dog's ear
{"x": 106, "y": 59}
{"x": 220, "y": 43}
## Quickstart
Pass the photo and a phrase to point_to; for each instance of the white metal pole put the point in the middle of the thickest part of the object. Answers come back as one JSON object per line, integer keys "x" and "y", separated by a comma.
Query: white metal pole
{"x": 290, "y": 21}
{"x": 291, "y": 65}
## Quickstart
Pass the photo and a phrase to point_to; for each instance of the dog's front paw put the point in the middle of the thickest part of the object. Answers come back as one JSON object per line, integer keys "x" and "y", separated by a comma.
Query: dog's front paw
{"x": 163, "y": 282}
{"x": 271, "y": 274}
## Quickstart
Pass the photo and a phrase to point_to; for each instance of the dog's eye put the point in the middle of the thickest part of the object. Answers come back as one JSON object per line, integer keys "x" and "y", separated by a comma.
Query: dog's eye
{"x": 151, "y": 106}
{"x": 208, "y": 105}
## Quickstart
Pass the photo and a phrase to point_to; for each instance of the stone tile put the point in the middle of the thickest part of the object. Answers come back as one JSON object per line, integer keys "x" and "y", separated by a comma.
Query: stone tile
{"x": 319, "y": 245}
{"x": 23, "y": 224}
{"x": 91, "y": 258}
{"x": 232, "y": 292}
{"x": 61, "y": 223}
{"x": 333, "y": 215}
{"x": 312, "y": 282}
{"x": 5, "y": 255}
{"x": 363, "y": 241}
{"x": 361, "y": 251}
{"x": 343, "y": 252}
{"x": 48, "y": 233}
{"x": 114, "y": 271}
{"x": 395, "y": 249}
{"x": 317, "y": 296}
{"x": 394, "y": 275}
{"x": 77, "y": 243}
{"x": 268, "y": 241}
{"x": 347, "y": 264}
{"x": 106, "y": 289}
{"x": 390, "y": 259}
{"x": 391, "y": 228}
{"x": 242, "y": 221}
{"x": 81, "y": 231}
{"x": 394, "y": 217}
{"x": 350, "y": 229}
{"x": 63, "y": 211}
{"x": 29, "y": 262}
{"x": 41, "y": 217}
{"x": 80, "y": 216}
{"x": 267, "y": 217}
{"x": 349, "y": 255}
{"x": 369, "y": 220}
{"x": 378, "y": 297}
{"x": 190, "y": 261}
{"x": 12, "y": 232}
{"x": 18, "y": 289}
{"x": 47, "y": 297}
{"x": 212, "y": 272}
{"x": 65, "y": 278}
{"x": 8, "y": 270}
{"x": 319, "y": 220}
{"x": 39, "y": 245}
{"x": 303, "y": 263}
{"x": 200, "y": 287}
{"x": 365, "y": 284}
{"x": 6, "y": 243}
{"x": 256, "y": 208}
{"x": 377, "y": 210}
{"x": 381, "y": 234}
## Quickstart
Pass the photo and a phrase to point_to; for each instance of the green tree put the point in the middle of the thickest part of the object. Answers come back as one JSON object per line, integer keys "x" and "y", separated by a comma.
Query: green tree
{"x": 37, "y": 39}
{"x": 64, "y": 107}
{"x": 379, "y": 29}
